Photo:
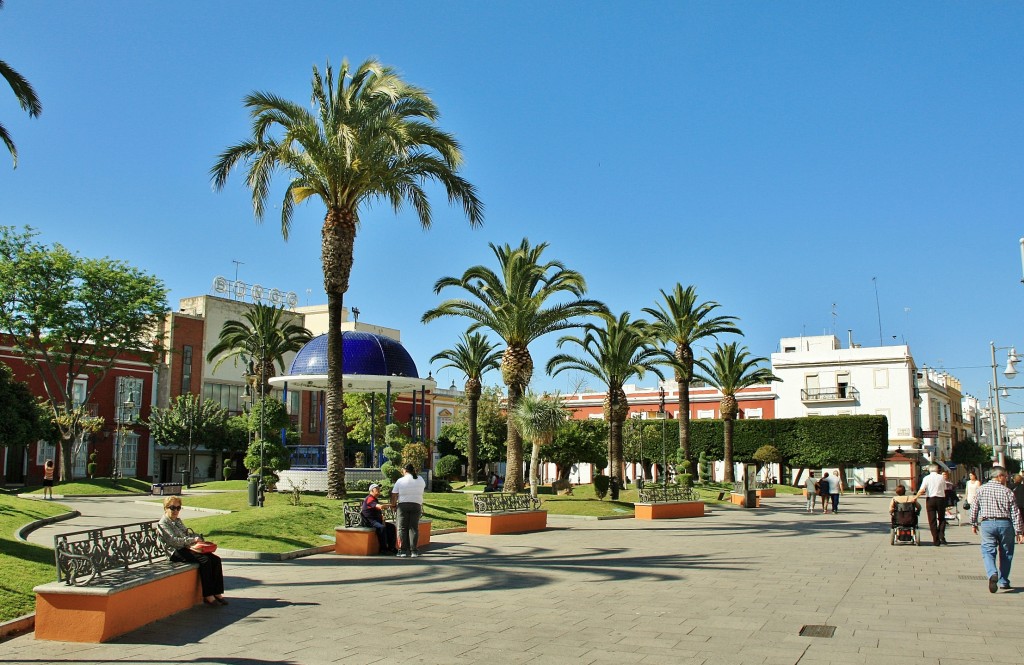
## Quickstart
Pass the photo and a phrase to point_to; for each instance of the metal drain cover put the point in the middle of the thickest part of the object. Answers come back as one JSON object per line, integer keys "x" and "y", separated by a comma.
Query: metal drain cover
{"x": 818, "y": 631}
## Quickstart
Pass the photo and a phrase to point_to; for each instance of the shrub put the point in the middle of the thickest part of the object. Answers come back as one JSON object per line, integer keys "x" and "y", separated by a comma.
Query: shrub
{"x": 601, "y": 483}
{"x": 415, "y": 454}
{"x": 440, "y": 485}
{"x": 447, "y": 466}
{"x": 686, "y": 479}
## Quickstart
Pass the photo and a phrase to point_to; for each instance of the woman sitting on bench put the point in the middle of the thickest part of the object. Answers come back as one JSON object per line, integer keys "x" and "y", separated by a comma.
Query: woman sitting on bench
{"x": 188, "y": 547}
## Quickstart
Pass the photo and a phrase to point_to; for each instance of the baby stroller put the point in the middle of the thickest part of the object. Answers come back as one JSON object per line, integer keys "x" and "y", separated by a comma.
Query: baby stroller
{"x": 904, "y": 524}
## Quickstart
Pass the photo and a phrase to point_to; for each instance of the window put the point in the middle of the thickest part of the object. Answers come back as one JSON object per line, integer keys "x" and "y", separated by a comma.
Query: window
{"x": 753, "y": 414}
{"x": 127, "y": 453}
{"x": 45, "y": 451}
{"x": 186, "y": 369}
{"x": 228, "y": 396}
{"x": 881, "y": 378}
{"x": 128, "y": 388}
{"x": 842, "y": 383}
{"x": 705, "y": 413}
{"x": 811, "y": 383}
{"x": 789, "y": 349}
{"x": 78, "y": 392}
{"x": 596, "y": 416}
{"x": 315, "y": 400}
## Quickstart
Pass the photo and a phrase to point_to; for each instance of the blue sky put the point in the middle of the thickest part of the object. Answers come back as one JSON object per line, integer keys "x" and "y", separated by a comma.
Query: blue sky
{"x": 779, "y": 156}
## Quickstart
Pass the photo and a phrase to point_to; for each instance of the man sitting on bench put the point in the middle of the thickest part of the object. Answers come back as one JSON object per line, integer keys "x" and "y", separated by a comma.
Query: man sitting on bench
{"x": 373, "y": 516}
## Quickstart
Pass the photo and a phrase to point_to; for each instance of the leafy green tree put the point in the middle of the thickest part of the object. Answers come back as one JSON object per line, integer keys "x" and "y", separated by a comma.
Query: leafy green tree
{"x": 370, "y": 137}
{"x": 394, "y": 442}
{"x": 260, "y": 342}
{"x": 731, "y": 368}
{"x": 643, "y": 436}
{"x": 613, "y": 351}
{"x": 70, "y": 316}
{"x": 447, "y": 467}
{"x": 967, "y": 452}
{"x": 22, "y": 420}
{"x": 27, "y": 100}
{"x": 515, "y": 303}
{"x": 187, "y": 424}
{"x": 681, "y": 321}
{"x": 492, "y": 427}
{"x": 577, "y": 442}
{"x": 415, "y": 454}
{"x": 538, "y": 417}
{"x": 366, "y": 419}
{"x": 474, "y": 356}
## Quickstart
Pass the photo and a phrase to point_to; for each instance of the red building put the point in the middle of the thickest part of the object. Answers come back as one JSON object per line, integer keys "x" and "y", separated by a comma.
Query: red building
{"x": 755, "y": 403}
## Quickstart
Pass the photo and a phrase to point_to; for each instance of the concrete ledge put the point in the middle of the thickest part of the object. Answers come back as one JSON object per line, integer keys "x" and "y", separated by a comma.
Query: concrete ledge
{"x": 520, "y": 521}
{"x": 768, "y": 493}
{"x": 668, "y": 510}
{"x": 67, "y": 614}
{"x": 158, "y": 572}
{"x": 22, "y": 533}
{"x": 362, "y": 540}
{"x": 21, "y": 624}
{"x": 740, "y": 500}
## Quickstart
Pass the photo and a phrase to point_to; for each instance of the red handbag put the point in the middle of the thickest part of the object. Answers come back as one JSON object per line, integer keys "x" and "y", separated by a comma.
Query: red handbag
{"x": 205, "y": 547}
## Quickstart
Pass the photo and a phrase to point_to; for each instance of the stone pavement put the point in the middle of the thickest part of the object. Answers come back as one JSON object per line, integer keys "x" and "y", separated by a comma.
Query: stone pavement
{"x": 732, "y": 588}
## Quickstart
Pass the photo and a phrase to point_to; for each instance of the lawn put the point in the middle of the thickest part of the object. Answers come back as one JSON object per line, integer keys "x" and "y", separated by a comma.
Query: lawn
{"x": 95, "y": 486}
{"x": 22, "y": 565}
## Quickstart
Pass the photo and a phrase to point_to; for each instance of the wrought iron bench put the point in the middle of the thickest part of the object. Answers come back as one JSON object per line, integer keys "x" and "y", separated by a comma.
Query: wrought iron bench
{"x": 495, "y": 513}
{"x": 765, "y": 489}
{"x": 165, "y": 489}
{"x": 667, "y": 502}
{"x": 107, "y": 580}
{"x": 354, "y": 539}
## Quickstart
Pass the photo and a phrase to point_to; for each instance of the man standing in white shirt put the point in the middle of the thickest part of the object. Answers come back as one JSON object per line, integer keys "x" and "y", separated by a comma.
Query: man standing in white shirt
{"x": 934, "y": 486}
{"x": 835, "y": 488}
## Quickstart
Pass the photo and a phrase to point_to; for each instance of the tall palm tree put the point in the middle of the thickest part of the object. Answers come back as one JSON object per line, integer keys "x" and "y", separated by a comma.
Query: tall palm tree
{"x": 614, "y": 351}
{"x": 513, "y": 303}
{"x": 261, "y": 342}
{"x": 730, "y": 369}
{"x": 474, "y": 356}
{"x": 26, "y": 97}
{"x": 371, "y": 137}
{"x": 681, "y": 321}
{"x": 538, "y": 418}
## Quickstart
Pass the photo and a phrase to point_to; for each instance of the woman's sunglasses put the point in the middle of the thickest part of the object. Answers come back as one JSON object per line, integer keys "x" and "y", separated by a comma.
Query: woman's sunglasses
{"x": 173, "y": 507}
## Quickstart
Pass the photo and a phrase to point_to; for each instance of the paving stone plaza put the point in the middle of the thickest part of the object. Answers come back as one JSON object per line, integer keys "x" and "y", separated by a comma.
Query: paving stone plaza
{"x": 733, "y": 588}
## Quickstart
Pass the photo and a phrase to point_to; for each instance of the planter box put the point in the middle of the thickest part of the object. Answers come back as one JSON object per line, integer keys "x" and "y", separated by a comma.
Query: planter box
{"x": 739, "y": 499}
{"x": 668, "y": 510}
{"x": 362, "y": 541}
{"x": 520, "y": 521}
{"x": 766, "y": 493}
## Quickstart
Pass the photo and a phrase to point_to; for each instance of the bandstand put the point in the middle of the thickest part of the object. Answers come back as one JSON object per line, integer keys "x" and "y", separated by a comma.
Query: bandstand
{"x": 371, "y": 363}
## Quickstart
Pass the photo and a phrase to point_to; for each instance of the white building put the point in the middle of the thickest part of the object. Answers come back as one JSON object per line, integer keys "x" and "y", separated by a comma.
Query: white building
{"x": 936, "y": 413}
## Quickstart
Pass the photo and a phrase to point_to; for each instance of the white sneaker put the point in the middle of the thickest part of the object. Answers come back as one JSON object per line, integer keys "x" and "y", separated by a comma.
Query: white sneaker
{"x": 415, "y": 555}
{"x": 401, "y": 555}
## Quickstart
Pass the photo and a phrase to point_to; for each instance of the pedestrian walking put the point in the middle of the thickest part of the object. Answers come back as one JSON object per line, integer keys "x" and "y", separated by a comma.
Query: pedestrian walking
{"x": 824, "y": 492}
{"x": 995, "y": 514}
{"x": 934, "y": 486}
{"x": 835, "y": 488}
{"x": 48, "y": 479}
{"x": 407, "y": 494}
{"x": 810, "y": 491}
{"x": 971, "y": 489}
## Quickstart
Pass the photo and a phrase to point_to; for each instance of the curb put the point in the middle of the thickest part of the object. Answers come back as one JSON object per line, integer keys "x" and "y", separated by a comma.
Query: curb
{"x": 592, "y": 517}
{"x": 274, "y": 556}
{"x": 56, "y": 497}
{"x": 215, "y": 511}
{"x": 22, "y": 624}
{"x": 22, "y": 533}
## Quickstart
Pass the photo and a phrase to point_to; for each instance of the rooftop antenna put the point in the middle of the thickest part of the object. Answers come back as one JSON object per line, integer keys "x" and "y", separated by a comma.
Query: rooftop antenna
{"x": 355, "y": 315}
{"x": 833, "y": 318}
{"x": 237, "y": 263}
{"x": 308, "y": 292}
{"x": 879, "y": 311}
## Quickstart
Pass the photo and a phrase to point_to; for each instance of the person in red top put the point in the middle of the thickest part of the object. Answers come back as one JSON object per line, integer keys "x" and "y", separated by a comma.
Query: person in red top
{"x": 48, "y": 479}
{"x": 373, "y": 516}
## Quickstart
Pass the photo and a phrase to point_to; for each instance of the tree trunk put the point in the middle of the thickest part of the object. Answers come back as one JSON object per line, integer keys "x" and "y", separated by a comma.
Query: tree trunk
{"x": 514, "y": 449}
{"x": 728, "y": 475}
{"x": 684, "y": 354}
{"x": 615, "y": 448}
{"x": 67, "y": 469}
{"x": 337, "y": 241}
{"x": 534, "y": 468}
{"x": 474, "y": 403}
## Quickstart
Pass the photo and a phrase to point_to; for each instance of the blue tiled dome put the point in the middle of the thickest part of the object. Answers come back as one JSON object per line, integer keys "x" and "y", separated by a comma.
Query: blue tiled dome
{"x": 365, "y": 353}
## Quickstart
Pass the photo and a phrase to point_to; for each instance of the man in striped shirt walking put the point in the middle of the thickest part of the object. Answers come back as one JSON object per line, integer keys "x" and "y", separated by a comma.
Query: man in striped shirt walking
{"x": 995, "y": 513}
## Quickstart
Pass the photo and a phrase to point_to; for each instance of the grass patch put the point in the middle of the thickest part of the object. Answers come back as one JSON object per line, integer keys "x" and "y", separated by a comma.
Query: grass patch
{"x": 23, "y": 565}
{"x": 282, "y": 527}
{"x": 95, "y": 486}
{"x": 222, "y": 485}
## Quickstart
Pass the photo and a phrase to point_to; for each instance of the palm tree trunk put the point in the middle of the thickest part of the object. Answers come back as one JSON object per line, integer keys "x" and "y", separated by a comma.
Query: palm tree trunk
{"x": 683, "y": 389}
{"x": 615, "y": 448}
{"x": 474, "y": 403}
{"x": 728, "y": 475}
{"x": 514, "y": 449}
{"x": 337, "y": 242}
{"x": 534, "y": 468}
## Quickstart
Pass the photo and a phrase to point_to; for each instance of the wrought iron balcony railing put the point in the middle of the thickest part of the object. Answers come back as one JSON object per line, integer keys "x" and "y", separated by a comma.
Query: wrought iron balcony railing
{"x": 840, "y": 394}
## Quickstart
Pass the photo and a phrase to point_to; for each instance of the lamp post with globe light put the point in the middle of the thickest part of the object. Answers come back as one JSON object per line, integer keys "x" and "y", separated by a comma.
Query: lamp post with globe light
{"x": 998, "y": 445}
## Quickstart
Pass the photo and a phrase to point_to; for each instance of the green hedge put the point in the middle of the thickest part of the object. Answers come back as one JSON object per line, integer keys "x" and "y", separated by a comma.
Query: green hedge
{"x": 816, "y": 442}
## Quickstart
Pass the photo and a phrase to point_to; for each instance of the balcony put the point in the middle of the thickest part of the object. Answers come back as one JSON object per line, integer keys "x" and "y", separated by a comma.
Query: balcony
{"x": 830, "y": 395}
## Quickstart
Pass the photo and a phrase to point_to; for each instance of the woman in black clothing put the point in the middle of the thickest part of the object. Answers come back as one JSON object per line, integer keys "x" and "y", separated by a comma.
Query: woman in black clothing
{"x": 185, "y": 547}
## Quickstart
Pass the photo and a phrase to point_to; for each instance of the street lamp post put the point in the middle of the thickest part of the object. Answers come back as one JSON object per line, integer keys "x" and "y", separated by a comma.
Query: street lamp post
{"x": 191, "y": 415}
{"x": 661, "y": 414}
{"x": 125, "y": 411}
{"x": 998, "y": 448}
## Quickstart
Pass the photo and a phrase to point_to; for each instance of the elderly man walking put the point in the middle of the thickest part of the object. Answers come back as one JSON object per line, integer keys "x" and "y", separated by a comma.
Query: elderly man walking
{"x": 995, "y": 513}
{"x": 934, "y": 485}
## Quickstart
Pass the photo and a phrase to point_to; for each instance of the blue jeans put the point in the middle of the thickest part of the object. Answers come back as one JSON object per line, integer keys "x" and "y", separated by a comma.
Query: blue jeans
{"x": 997, "y": 536}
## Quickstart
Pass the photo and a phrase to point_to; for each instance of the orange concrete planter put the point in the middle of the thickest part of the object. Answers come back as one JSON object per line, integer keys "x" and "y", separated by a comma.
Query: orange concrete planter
{"x": 739, "y": 500}
{"x": 766, "y": 493}
{"x": 97, "y": 614}
{"x": 490, "y": 524}
{"x": 362, "y": 541}
{"x": 668, "y": 510}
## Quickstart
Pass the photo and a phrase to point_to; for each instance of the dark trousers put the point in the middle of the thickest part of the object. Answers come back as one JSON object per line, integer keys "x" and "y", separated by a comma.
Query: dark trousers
{"x": 409, "y": 525}
{"x": 386, "y": 535}
{"x": 936, "y": 507}
{"x": 211, "y": 574}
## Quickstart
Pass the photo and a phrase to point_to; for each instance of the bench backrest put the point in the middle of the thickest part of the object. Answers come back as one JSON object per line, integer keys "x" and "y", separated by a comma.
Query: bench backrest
{"x": 97, "y": 551}
{"x": 353, "y": 519}
{"x": 504, "y": 503}
{"x": 665, "y": 495}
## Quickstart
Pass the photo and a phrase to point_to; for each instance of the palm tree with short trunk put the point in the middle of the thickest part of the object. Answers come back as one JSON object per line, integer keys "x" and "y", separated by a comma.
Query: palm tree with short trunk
{"x": 474, "y": 356}
{"x": 613, "y": 351}
{"x": 27, "y": 100}
{"x": 514, "y": 303}
{"x": 370, "y": 137}
{"x": 730, "y": 368}
{"x": 261, "y": 341}
{"x": 538, "y": 418}
{"x": 682, "y": 322}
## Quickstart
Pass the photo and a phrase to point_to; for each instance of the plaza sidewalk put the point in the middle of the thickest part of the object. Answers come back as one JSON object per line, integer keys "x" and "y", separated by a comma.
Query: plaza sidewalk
{"x": 733, "y": 588}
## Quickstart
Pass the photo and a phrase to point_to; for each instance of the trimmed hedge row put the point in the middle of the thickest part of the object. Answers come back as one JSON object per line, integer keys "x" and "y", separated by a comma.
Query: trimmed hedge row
{"x": 815, "y": 442}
